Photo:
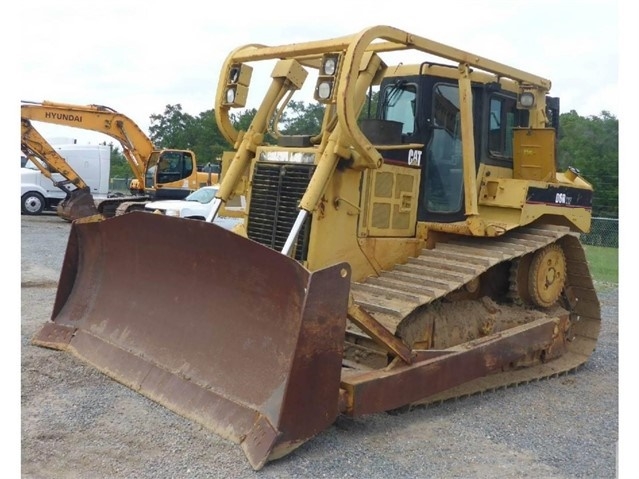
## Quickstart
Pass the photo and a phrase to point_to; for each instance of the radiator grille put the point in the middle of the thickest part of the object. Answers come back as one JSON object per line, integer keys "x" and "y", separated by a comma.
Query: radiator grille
{"x": 275, "y": 193}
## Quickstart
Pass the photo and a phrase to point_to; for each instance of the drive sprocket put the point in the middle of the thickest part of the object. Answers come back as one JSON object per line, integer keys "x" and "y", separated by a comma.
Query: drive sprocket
{"x": 547, "y": 275}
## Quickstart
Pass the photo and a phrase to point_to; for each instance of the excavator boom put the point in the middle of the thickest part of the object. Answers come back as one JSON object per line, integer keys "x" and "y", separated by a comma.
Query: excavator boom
{"x": 419, "y": 245}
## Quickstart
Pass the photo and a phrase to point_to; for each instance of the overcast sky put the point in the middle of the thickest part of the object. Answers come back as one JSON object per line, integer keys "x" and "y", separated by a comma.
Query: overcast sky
{"x": 139, "y": 56}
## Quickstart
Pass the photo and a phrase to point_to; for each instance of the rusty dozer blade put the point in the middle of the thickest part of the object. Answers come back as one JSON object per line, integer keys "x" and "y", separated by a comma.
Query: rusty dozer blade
{"x": 216, "y": 327}
{"x": 78, "y": 203}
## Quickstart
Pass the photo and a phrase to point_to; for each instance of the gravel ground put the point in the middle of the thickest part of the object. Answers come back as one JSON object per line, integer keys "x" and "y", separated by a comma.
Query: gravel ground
{"x": 77, "y": 423}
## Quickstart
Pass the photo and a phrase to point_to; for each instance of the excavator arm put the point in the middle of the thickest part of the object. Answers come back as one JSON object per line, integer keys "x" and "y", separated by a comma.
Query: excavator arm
{"x": 79, "y": 201}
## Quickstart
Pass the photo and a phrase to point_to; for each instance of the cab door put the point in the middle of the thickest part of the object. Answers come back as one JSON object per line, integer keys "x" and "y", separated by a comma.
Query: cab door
{"x": 442, "y": 192}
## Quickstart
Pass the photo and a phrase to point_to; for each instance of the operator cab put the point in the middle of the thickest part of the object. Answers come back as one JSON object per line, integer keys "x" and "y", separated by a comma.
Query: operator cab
{"x": 420, "y": 113}
{"x": 166, "y": 172}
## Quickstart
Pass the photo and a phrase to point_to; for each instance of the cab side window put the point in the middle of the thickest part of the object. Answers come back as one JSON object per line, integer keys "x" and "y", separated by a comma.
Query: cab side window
{"x": 188, "y": 165}
{"x": 399, "y": 105}
{"x": 174, "y": 166}
{"x": 502, "y": 120}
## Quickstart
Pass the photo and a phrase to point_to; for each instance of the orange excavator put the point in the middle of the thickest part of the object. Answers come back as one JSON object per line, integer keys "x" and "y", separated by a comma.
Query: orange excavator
{"x": 422, "y": 245}
{"x": 178, "y": 178}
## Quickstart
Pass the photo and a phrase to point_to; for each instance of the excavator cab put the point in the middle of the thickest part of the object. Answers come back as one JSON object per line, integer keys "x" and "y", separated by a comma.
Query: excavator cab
{"x": 166, "y": 172}
{"x": 420, "y": 246}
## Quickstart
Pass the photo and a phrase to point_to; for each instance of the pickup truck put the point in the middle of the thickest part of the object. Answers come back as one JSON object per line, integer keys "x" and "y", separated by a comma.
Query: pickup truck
{"x": 197, "y": 205}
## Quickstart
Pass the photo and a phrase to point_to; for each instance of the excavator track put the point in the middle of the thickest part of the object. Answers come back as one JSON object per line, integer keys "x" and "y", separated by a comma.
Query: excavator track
{"x": 455, "y": 266}
{"x": 110, "y": 207}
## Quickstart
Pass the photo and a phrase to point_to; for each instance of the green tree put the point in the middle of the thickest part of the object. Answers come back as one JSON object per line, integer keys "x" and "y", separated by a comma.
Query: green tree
{"x": 241, "y": 121}
{"x": 119, "y": 166}
{"x": 177, "y": 129}
{"x": 172, "y": 129}
{"x": 209, "y": 143}
{"x": 121, "y": 172}
{"x": 591, "y": 144}
{"x": 302, "y": 118}
{"x": 369, "y": 110}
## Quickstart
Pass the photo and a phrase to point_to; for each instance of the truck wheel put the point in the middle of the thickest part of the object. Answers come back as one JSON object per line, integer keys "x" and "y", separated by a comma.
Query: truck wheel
{"x": 32, "y": 203}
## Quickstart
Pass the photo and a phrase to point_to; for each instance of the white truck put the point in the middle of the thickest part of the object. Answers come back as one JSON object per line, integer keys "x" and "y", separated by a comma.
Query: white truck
{"x": 91, "y": 162}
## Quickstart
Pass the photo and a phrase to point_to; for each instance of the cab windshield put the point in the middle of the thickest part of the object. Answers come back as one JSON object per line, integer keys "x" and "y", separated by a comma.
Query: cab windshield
{"x": 203, "y": 195}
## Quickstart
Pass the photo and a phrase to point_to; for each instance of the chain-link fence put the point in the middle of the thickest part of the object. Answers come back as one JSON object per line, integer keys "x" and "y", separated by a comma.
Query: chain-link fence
{"x": 603, "y": 232}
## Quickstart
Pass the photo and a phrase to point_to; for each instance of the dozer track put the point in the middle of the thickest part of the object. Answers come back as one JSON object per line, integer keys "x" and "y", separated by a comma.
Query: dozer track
{"x": 456, "y": 265}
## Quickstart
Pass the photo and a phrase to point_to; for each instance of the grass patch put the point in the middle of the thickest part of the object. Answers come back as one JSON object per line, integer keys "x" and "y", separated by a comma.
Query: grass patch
{"x": 603, "y": 262}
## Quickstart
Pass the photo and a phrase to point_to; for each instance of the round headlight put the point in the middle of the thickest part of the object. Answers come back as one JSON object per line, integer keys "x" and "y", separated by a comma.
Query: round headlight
{"x": 230, "y": 95}
{"x": 527, "y": 99}
{"x": 330, "y": 66}
{"x": 324, "y": 90}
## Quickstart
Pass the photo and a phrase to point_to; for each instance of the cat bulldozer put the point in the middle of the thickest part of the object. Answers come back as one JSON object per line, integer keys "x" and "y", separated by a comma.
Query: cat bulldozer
{"x": 416, "y": 244}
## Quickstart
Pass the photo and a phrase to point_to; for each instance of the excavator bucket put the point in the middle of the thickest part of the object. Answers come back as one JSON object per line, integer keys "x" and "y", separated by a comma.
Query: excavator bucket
{"x": 216, "y": 327}
{"x": 78, "y": 204}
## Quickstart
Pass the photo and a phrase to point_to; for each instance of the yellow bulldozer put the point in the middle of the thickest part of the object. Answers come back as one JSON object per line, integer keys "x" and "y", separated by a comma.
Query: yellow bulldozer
{"x": 420, "y": 246}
